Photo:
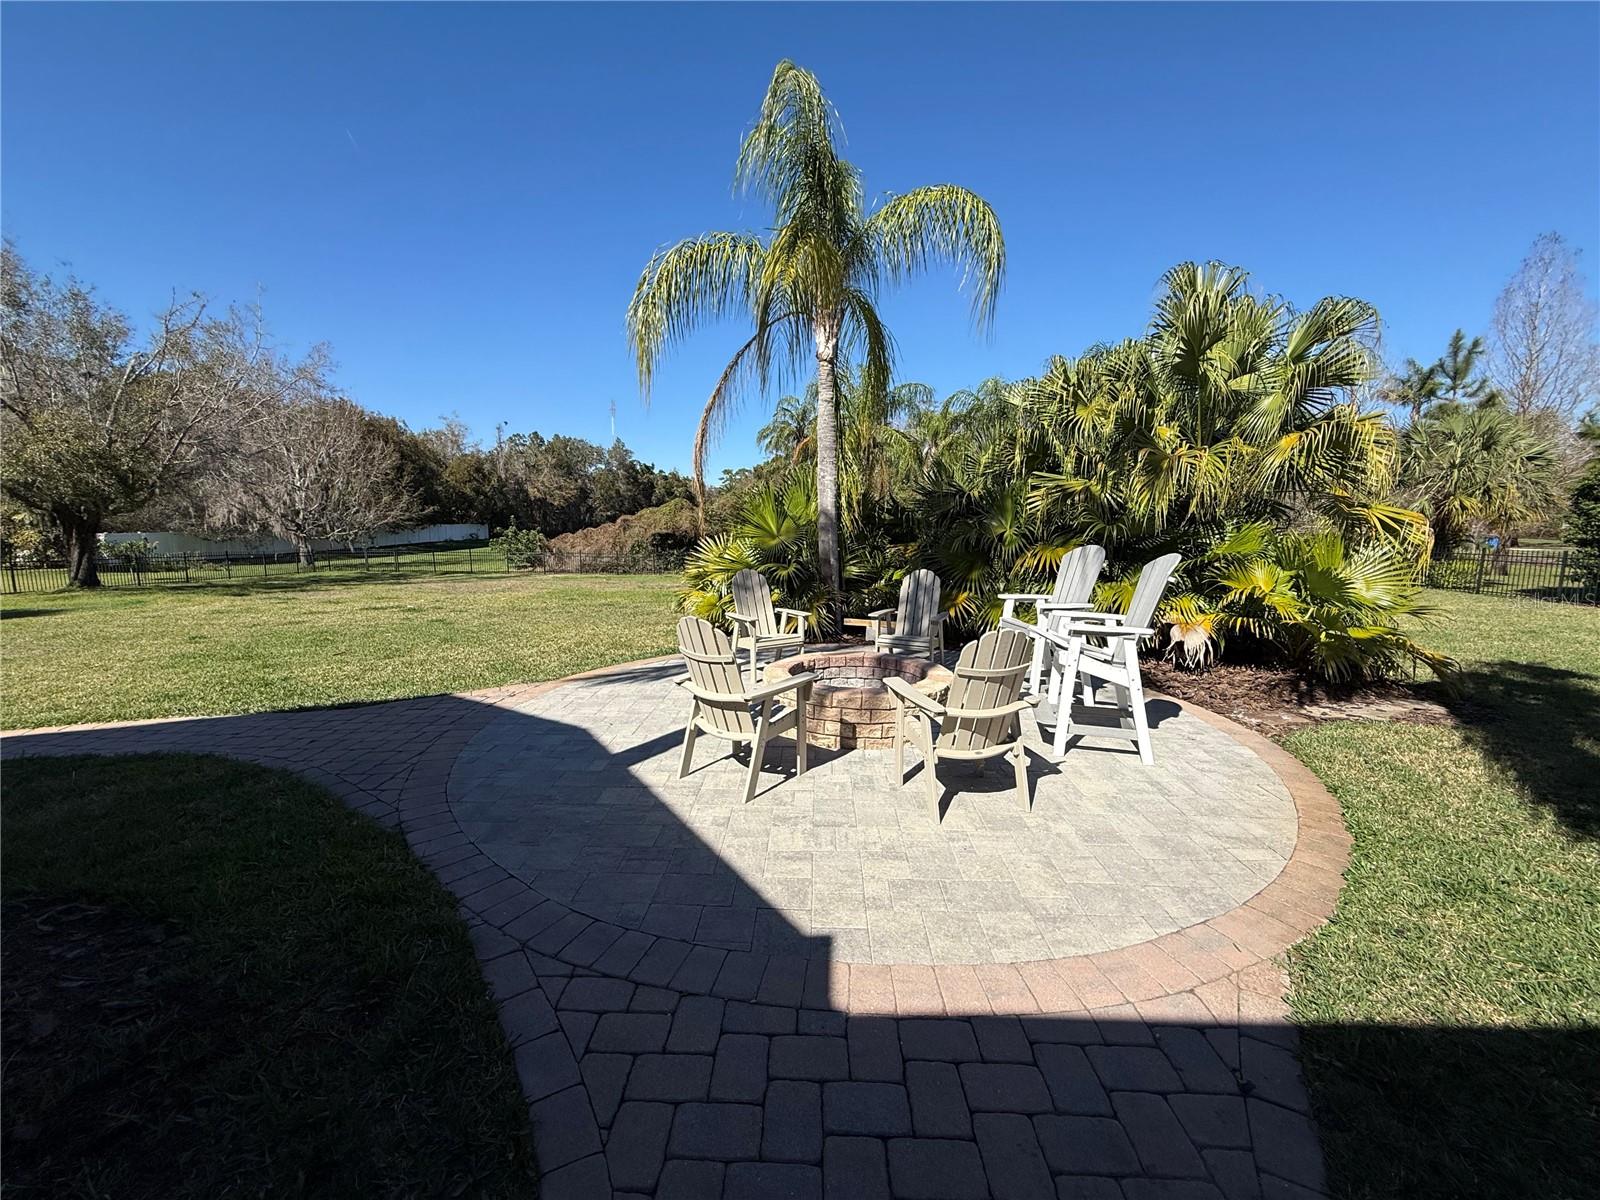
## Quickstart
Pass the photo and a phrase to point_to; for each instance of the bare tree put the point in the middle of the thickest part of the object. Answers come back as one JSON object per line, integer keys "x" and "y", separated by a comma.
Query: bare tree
{"x": 310, "y": 468}
{"x": 95, "y": 422}
{"x": 1545, "y": 356}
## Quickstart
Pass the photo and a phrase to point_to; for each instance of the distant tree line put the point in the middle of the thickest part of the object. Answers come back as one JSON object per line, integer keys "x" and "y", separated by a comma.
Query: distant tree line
{"x": 201, "y": 424}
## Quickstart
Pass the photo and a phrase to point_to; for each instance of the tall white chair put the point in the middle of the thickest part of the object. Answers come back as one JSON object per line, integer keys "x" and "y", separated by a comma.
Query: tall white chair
{"x": 1103, "y": 648}
{"x": 725, "y": 708}
{"x": 757, "y": 626}
{"x": 1075, "y": 579}
{"x": 918, "y": 625}
{"x": 978, "y": 719}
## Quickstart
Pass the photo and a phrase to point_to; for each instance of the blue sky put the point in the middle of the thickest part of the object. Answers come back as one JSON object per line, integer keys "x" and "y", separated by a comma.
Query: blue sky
{"x": 460, "y": 198}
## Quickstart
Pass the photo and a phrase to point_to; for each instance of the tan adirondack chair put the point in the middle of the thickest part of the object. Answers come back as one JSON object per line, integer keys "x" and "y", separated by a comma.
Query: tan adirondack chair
{"x": 757, "y": 626}
{"x": 726, "y": 708}
{"x": 1075, "y": 579}
{"x": 918, "y": 625}
{"x": 979, "y": 718}
{"x": 1103, "y": 648}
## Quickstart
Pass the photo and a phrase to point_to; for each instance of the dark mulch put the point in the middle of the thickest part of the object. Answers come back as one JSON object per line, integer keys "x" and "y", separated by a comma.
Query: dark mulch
{"x": 1276, "y": 700}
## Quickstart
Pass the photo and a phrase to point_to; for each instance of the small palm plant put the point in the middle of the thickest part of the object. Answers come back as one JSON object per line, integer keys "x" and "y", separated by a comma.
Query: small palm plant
{"x": 810, "y": 288}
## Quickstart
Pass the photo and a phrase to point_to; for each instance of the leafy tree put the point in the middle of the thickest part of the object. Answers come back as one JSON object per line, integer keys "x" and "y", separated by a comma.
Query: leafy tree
{"x": 810, "y": 288}
{"x": 95, "y": 421}
{"x": 1583, "y": 510}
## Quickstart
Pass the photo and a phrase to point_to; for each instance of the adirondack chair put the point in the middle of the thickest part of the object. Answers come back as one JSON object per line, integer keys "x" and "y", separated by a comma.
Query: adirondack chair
{"x": 1099, "y": 648}
{"x": 1075, "y": 580}
{"x": 757, "y": 625}
{"x": 918, "y": 623}
{"x": 979, "y": 717}
{"x": 725, "y": 707}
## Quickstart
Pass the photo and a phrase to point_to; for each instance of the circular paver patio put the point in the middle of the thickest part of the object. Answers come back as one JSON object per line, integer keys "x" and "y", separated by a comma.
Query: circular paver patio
{"x": 575, "y": 792}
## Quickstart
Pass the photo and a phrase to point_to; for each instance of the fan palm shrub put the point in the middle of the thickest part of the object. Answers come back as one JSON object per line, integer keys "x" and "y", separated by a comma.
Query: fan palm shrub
{"x": 1229, "y": 433}
{"x": 809, "y": 288}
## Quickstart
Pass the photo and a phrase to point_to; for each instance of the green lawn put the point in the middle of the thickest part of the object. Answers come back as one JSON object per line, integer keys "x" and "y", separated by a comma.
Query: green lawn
{"x": 1452, "y": 1008}
{"x": 220, "y": 982}
{"x": 299, "y": 641}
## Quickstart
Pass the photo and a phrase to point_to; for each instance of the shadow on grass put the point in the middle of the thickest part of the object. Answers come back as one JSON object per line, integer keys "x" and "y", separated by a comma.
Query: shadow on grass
{"x": 1455, "y": 1112}
{"x": 1542, "y": 723}
{"x": 12, "y": 614}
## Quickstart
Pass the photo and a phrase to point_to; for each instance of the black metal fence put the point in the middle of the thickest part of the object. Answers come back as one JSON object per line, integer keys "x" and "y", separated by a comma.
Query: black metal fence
{"x": 1562, "y": 575}
{"x": 444, "y": 558}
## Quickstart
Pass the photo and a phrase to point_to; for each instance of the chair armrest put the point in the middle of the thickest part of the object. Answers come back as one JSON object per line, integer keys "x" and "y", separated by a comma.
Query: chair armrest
{"x": 1005, "y": 710}
{"x": 878, "y": 614}
{"x": 793, "y": 612}
{"x": 1108, "y": 631}
{"x": 1031, "y": 597}
{"x": 740, "y": 619}
{"x": 902, "y": 690}
{"x": 1049, "y": 605}
{"x": 781, "y": 686}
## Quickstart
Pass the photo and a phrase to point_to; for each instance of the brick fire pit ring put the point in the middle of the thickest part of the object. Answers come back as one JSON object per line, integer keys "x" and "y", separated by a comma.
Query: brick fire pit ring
{"x": 851, "y": 708}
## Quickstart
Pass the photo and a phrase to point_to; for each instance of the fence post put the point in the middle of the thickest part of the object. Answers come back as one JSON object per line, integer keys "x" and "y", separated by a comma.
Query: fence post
{"x": 1561, "y": 577}
{"x": 396, "y": 553}
{"x": 434, "y": 554}
{"x": 12, "y": 567}
{"x": 1483, "y": 562}
{"x": 469, "y": 560}
{"x": 186, "y": 566}
{"x": 227, "y": 562}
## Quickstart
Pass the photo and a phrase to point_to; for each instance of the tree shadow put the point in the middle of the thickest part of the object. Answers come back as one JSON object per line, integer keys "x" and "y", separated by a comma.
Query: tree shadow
{"x": 1540, "y": 722}
{"x": 12, "y": 614}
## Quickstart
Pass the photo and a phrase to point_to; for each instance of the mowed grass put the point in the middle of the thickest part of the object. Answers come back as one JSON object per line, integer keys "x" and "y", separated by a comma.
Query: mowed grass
{"x": 234, "y": 986}
{"x": 1451, "y": 1010}
{"x": 301, "y": 641}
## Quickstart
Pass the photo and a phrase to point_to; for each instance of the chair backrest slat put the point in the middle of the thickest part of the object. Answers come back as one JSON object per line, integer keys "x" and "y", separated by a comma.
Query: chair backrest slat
{"x": 919, "y": 603}
{"x": 1147, "y": 592}
{"x": 714, "y": 668}
{"x": 988, "y": 674}
{"x": 753, "y": 598}
{"x": 1077, "y": 575}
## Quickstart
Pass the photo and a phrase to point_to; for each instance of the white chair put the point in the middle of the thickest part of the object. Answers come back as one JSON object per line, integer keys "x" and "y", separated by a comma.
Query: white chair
{"x": 757, "y": 625}
{"x": 918, "y": 625}
{"x": 979, "y": 717}
{"x": 1098, "y": 648}
{"x": 724, "y": 707}
{"x": 1075, "y": 580}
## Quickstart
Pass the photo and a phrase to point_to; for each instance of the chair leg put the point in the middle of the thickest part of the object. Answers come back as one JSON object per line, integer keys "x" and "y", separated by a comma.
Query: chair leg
{"x": 1019, "y": 763}
{"x": 900, "y": 741}
{"x": 1141, "y": 722}
{"x": 1068, "y": 685}
{"x": 929, "y": 768}
{"x": 688, "y": 742}
{"x": 1036, "y": 668}
{"x": 758, "y": 750}
{"x": 803, "y": 703}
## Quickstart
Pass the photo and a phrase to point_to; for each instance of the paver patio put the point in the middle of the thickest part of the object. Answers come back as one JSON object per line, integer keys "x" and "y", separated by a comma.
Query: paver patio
{"x": 820, "y": 994}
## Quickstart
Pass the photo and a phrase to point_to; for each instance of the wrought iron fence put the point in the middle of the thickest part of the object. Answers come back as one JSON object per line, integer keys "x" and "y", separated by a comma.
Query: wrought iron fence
{"x": 1563, "y": 575}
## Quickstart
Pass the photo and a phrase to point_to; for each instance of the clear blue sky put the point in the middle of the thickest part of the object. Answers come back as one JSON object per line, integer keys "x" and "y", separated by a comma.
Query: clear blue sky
{"x": 459, "y": 198}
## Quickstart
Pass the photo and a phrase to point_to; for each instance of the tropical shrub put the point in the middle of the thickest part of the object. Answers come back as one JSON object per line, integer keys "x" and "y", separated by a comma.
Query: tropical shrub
{"x": 524, "y": 548}
{"x": 1230, "y": 433}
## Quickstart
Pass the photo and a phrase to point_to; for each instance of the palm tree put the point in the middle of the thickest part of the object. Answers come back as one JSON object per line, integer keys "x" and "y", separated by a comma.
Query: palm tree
{"x": 792, "y": 432}
{"x": 1458, "y": 370}
{"x": 810, "y": 287}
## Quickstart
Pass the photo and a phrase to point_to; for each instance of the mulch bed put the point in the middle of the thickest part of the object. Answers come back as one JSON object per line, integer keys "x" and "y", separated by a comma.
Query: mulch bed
{"x": 1276, "y": 701}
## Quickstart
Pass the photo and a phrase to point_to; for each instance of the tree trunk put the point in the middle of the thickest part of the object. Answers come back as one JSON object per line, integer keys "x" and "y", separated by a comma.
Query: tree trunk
{"x": 82, "y": 534}
{"x": 302, "y": 548}
{"x": 826, "y": 332}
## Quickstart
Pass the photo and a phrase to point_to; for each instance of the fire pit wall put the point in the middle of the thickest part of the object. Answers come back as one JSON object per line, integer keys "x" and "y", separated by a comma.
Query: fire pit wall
{"x": 851, "y": 708}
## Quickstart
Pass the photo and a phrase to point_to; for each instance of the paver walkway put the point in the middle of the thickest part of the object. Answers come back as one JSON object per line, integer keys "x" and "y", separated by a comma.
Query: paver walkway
{"x": 668, "y": 1051}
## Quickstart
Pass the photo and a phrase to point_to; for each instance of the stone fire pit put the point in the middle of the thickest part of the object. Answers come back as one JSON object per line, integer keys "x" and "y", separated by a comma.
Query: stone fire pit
{"x": 850, "y": 706}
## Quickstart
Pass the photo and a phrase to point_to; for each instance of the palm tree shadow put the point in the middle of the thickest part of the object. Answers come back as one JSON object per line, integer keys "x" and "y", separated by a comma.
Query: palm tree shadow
{"x": 1542, "y": 723}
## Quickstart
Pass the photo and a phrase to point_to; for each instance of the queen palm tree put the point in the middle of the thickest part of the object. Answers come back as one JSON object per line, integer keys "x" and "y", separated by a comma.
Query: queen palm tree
{"x": 792, "y": 432}
{"x": 810, "y": 287}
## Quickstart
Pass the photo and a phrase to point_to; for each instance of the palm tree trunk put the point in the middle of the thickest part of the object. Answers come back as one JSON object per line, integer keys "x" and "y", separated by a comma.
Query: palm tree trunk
{"x": 825, "y": 329}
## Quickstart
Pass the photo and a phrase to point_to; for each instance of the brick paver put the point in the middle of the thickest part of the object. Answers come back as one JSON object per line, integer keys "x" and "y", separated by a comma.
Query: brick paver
{"x": 664, "y": 1054}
